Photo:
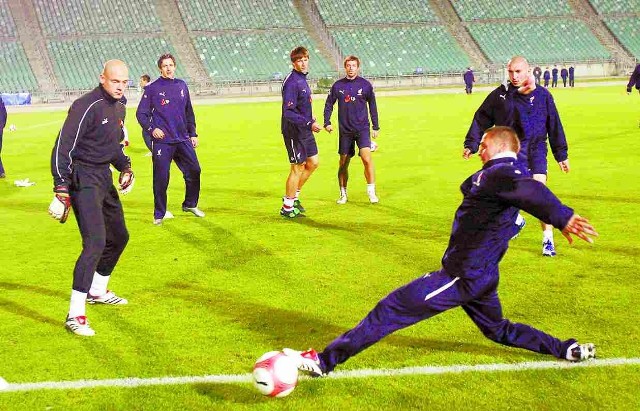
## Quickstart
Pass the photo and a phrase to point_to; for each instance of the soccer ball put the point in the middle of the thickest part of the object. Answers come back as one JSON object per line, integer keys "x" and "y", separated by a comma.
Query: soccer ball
{"x": 275, "y": 374}
{"x": 374, "y": 146}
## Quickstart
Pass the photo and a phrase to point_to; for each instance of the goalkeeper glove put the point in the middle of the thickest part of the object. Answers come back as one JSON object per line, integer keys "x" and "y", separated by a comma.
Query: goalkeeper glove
{"x": 61, "y": 204}
{"x": 126, "y": 181}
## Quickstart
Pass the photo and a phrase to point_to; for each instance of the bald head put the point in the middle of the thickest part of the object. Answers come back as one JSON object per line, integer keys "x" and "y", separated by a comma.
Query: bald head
{"x": 498, "y": 140}
{"x": 518, "y": 70}
{"x": 115, "y": 78}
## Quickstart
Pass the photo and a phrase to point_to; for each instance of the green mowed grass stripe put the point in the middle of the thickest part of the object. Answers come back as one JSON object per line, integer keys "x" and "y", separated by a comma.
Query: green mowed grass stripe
{"x": 209, "y": 296}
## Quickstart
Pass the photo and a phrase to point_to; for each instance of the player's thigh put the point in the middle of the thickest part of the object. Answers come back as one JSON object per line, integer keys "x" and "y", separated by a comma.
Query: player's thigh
{"x": 162, "y": 157}
{"x": 186, "y": 158}
{"x": 114, "y": 215}
{"x": 296, "y": 152}
{"x": 429, "y": 294}
{"x": 346, "y": 144}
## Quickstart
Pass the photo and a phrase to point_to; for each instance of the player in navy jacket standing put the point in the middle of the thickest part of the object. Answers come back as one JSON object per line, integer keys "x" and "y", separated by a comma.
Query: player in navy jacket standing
{"x": 571, "y": 76}
{"x": 356, "y": 101}
{"x": 634, "y": 80}
{"x": 469, "y": 274}
{"x": 88, "y": 143}
{"x": 3, "y": 122}
{"x": 564, "y": 73}
{"x": 546, "y": 76}
{"x": 554, "y": 77}
{"x": 531, "y": 111}
{"x": 298, "y": 125}
{"x": 166, "y": 112}
{"x": 469, "y": 79}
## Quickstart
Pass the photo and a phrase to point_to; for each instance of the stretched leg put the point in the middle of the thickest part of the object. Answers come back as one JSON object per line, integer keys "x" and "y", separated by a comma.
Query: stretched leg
{"x": 117, "y": 235}
{"x": 309, "y": 167}
{"x": 187, "y": 161}
{"x": 486, "y": 313}
{"x": 162, "y": 156}
{"x": 422, "y": 298}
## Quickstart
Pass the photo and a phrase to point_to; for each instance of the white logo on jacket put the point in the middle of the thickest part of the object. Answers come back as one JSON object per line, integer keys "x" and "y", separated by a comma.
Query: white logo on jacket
{"x": 105, "y": 121}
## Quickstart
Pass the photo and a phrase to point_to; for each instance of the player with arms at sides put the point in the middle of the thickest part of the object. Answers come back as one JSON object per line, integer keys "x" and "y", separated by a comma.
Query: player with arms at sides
{"x": 356, "y": 101}
{"x": 532, "y": 113}
{"x": 634, "y": 80}
{"x": 469, "y": 275}
{"x": 298, "y": 125}
{"x": 166, "y": 112}
{"x": 88, "y": 143}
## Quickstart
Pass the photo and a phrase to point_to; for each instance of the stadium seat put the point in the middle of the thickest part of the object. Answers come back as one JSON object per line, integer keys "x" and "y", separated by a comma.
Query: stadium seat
{"x": 627, "y": 30}
{"x": 15, "y": 71}
{"x": 362, "y": 12}
{"x": 255, "y": 56}
{"x": 473, "y": 10}
{"x": 543, "y": 41}
{"x": 7, "y": 26}
{"x": 615, "y": 6}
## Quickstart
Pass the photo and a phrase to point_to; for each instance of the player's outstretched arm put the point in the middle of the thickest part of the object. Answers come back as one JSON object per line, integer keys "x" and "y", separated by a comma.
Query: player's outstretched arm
{"x": 580, "y": 227}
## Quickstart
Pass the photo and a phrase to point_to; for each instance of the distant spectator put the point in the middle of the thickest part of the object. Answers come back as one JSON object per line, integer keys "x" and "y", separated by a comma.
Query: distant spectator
{"x": 554, "y": 76}
{"x": 571, "y": 77}
{"x": 634, "y": 80}
{"x": 469, "y": 79}
{"x": 537, "y": 72}
{"x": 3, "y": 122}
{"x": 546, "y": 76}
{"x": 564, "y": 73}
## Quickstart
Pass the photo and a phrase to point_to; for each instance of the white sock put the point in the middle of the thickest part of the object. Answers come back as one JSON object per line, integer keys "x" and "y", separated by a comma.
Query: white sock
{"x": 288, "y": 202}
{"x": 569, "y": 356}
{"x": 99, "y": 284}
{"x": 77, "y": 304}
{"x": 519, "y": 219}
{"x": 343, "y": 191}
{"x": 297, "y": 195}
{"x": 371, "y": 188}
{"x": 547, "y": 235}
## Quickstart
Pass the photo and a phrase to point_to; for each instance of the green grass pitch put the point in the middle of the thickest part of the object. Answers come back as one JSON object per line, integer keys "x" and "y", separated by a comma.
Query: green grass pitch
{"x": 209, "y": 296}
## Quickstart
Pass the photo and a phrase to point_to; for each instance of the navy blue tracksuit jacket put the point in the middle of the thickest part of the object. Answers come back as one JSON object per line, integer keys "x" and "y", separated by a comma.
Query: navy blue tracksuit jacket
{"x": 533, "y": 116}
{"x": 356, "y": 101}
{"x": 634, "y": 80}
{"x": 469, "y": 275}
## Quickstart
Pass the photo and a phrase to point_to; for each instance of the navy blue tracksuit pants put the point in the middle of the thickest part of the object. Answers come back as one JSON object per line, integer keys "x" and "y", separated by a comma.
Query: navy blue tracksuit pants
{"x": 430, "y": 295}
{"x": 185, "y": 157}
{"x": 100, "y": 219}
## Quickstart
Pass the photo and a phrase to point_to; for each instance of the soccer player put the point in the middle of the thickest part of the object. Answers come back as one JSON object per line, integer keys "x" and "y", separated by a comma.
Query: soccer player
{"x": 564, "y": 73}
{"x": 166, "y": 112}
{"x": 547, "y": 77}
{"x": 634, "y": 80}
{"x": 469, "y": 79}
{"x": 469, "y": 274}
{"x": 531, "y": 111}
{"x": 3, "y": 122}
{"x": 146, "y": 136}
{"x": 356, "y": 101}
{"x": 88, "y": 143}
{"x": 554, "y": 76}
{"x": 571, "y": 76}
{"x": 298, "y": 125}
{"x": 537, "y": 72}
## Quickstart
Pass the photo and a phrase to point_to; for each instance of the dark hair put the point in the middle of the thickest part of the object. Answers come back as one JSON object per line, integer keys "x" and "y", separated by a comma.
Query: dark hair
{"x": 145, "y": 77}
{"x": 351, "y": 58}
{"x": 298, "y": 53}
{"x": 166, "y": 56}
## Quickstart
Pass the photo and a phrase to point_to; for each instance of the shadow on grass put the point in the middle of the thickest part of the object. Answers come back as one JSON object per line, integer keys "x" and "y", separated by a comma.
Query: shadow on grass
{"x": 279, "y": 327}
{"x": 19, "y": 309}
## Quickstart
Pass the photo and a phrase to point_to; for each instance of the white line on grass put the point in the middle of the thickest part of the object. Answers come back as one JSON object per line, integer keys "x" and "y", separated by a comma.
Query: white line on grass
{"x": 365, "y": 373}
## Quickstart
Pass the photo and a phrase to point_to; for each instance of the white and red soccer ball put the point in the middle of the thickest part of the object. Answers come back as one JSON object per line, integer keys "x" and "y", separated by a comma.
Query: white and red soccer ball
{"x": 275, "y": 374}
{"x": 374, "y": 145}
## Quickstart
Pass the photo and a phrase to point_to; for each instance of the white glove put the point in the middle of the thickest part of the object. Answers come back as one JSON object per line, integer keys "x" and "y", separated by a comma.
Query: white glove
{"x": 60, "y": 207}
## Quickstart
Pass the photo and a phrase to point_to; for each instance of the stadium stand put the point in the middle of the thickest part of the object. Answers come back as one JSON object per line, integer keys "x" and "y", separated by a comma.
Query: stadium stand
{"x": 473, "y": 10}
{"x": 77, "y": 63}
{"x": 627, "y": 30}
{"x": 7, "y": 26}
{"x": 615, "y": 6}
{"x": 15, "y": 72}
{"x": 81, "y": 17}
{"x": 241, "y": 14}
{"x": 398, "y": 51}
{"x": 361, "y": 12}
{"x": 255, "y": 55}
{"x": 543, "y": 41}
